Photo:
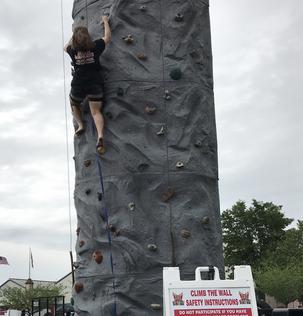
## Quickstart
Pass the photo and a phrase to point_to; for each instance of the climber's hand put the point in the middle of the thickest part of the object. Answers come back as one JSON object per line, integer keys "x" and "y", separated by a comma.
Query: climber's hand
{"x": 105, "y": 18}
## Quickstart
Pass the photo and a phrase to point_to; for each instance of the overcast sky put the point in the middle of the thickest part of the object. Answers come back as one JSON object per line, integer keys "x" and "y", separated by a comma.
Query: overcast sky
{"x": 257, "y": 51}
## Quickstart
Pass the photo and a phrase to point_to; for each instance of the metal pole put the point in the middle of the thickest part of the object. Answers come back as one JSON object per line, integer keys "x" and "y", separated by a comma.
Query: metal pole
{"x": 72, "y": 266}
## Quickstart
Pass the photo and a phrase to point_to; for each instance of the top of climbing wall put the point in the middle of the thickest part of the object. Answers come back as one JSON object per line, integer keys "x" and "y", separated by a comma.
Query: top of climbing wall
{"x": 152, "y": 47}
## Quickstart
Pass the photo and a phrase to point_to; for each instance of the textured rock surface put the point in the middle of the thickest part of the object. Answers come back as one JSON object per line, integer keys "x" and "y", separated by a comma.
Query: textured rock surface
{"x": 160, "y": 168}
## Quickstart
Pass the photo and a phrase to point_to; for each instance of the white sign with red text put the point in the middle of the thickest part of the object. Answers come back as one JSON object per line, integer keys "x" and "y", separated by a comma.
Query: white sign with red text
{"x": 209, "y": 297}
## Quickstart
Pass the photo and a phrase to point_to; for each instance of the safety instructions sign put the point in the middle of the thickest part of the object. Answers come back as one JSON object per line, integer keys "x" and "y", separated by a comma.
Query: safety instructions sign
{"x": 211, "y": 301}
{"x": 209, "y": 297}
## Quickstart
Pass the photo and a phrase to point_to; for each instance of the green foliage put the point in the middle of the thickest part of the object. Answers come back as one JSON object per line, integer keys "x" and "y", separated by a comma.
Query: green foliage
{"x": 20, "y": 298}
{"x": 257, "y": 236}
{"x": 285, "y": 284}
{"x": 281, "y": 272}
{"x": 250, "y": 233}
{"x": 289, "y": 250}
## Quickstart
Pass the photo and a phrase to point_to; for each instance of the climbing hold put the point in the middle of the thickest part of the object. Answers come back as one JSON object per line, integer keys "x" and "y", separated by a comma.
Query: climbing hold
{"x": 179, "y": 164}
{"x": 143, "y": 8}
{"x": 179, "y": 17}
{"x": 78, "y": 231}
{"x": 114, "y": 230}
{"x": 109, "y": 115}
{"x": 78, "y": 287}
{"x": 87, "y": 163}
{"x": 185, "y": 233}
{"x": 120, "y": 92}
{"x": 128, "y": 39}
{"x": 142, "y": 56}
{"x": 205, "y": 220}
{"x": 176, "y": 74}
{"x": 97, "y": 256}
{"x": 82, "y": 17}
{"x": 131, "y": 206}
{"x": 152, "y": 247}
{"x": 155, "y": 307}
{"x": 143, "y": 166}
{"x": 198, "y": 143}
{"x": 88, "y": 191}
{"x": 150, "y": 109}
{"x": 161, "y": 131}
{"x": 100, "y": 196}
{"x": 168, "y": 195}
{"x": 167, "y": 95}
{"x": 81, "y": 243}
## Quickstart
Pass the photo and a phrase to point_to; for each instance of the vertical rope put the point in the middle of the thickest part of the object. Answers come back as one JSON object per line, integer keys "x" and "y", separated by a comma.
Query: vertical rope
{"x": 66, "y": 131}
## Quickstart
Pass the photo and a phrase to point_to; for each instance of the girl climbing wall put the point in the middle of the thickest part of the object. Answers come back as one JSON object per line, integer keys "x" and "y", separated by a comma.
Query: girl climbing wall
{"x": 87, "y": 81}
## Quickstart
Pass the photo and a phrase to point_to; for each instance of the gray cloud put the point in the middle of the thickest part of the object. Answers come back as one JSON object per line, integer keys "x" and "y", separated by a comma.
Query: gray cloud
{"x": 257, "y": 55}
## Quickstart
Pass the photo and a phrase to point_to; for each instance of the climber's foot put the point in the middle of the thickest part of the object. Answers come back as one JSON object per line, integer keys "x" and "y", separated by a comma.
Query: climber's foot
{"x": 100, "y": 146}
{"x": 79, "y": 131}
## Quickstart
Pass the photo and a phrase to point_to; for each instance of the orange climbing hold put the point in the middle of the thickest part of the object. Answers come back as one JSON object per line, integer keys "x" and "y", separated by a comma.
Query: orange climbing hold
{"x": 78, "y": 287}
{"x": 97, "y": 256}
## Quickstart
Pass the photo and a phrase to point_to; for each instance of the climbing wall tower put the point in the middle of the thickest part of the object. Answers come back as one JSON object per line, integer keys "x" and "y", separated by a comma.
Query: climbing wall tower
{"x": 160, "y": 170}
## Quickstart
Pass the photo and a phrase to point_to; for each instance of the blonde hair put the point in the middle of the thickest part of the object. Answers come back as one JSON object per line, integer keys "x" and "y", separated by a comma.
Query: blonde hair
{"x": 81, "y": 39}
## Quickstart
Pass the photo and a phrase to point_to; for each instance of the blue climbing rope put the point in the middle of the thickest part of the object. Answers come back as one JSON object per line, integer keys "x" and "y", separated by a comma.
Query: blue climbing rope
{"x": 106, "y": 218}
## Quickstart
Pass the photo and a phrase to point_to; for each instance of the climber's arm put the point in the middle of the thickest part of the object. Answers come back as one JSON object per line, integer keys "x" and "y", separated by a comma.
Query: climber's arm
{"x": 67, "y": 44}
{"x": 107, "y": 33}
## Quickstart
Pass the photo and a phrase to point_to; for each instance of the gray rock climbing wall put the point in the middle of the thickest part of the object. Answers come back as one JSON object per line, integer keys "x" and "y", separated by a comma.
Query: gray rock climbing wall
{"x": 160, "y": 169}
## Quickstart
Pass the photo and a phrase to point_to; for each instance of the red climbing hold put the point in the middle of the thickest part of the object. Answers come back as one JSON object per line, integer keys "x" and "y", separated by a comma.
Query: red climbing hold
{"x": 98, "y": 257}
{"x": 168, "y": 195}
{"x": 81, "y": 243}
{"x": 78, "y": 287}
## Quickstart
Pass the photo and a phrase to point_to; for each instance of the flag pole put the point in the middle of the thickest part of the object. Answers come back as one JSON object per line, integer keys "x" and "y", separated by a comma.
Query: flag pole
{"x": 29, "y": 263}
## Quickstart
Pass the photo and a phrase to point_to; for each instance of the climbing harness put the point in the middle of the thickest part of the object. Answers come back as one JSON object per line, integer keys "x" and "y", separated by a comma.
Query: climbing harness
{"x": 105, "y": 216}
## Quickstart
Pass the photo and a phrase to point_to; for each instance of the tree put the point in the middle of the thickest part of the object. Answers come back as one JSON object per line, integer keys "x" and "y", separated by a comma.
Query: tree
{"x": 281, "y": 272}
{"x": 21, "y": 298}
{"x": 249, "y": 234}
{"x": 285, "y": 284}
{"x": 289, "y": 250}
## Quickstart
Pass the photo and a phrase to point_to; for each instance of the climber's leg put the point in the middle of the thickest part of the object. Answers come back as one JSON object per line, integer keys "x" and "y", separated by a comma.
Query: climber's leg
{"x": 76, "y": 96}
{"x": 75, "y": 106}
{"x": 95, "y": 108}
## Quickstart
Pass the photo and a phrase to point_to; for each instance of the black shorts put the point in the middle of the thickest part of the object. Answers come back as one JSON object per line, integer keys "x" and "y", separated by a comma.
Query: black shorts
{"x": 93, "y": 93}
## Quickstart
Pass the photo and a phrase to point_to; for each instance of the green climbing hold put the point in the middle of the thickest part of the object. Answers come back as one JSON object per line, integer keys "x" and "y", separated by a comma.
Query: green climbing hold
{"x": 176, "y": 74}
{"x": 120, "y": 92}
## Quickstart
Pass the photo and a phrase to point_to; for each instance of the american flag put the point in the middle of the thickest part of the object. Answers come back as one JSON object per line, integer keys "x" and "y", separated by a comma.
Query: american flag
{"x": 3, "y": 260}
